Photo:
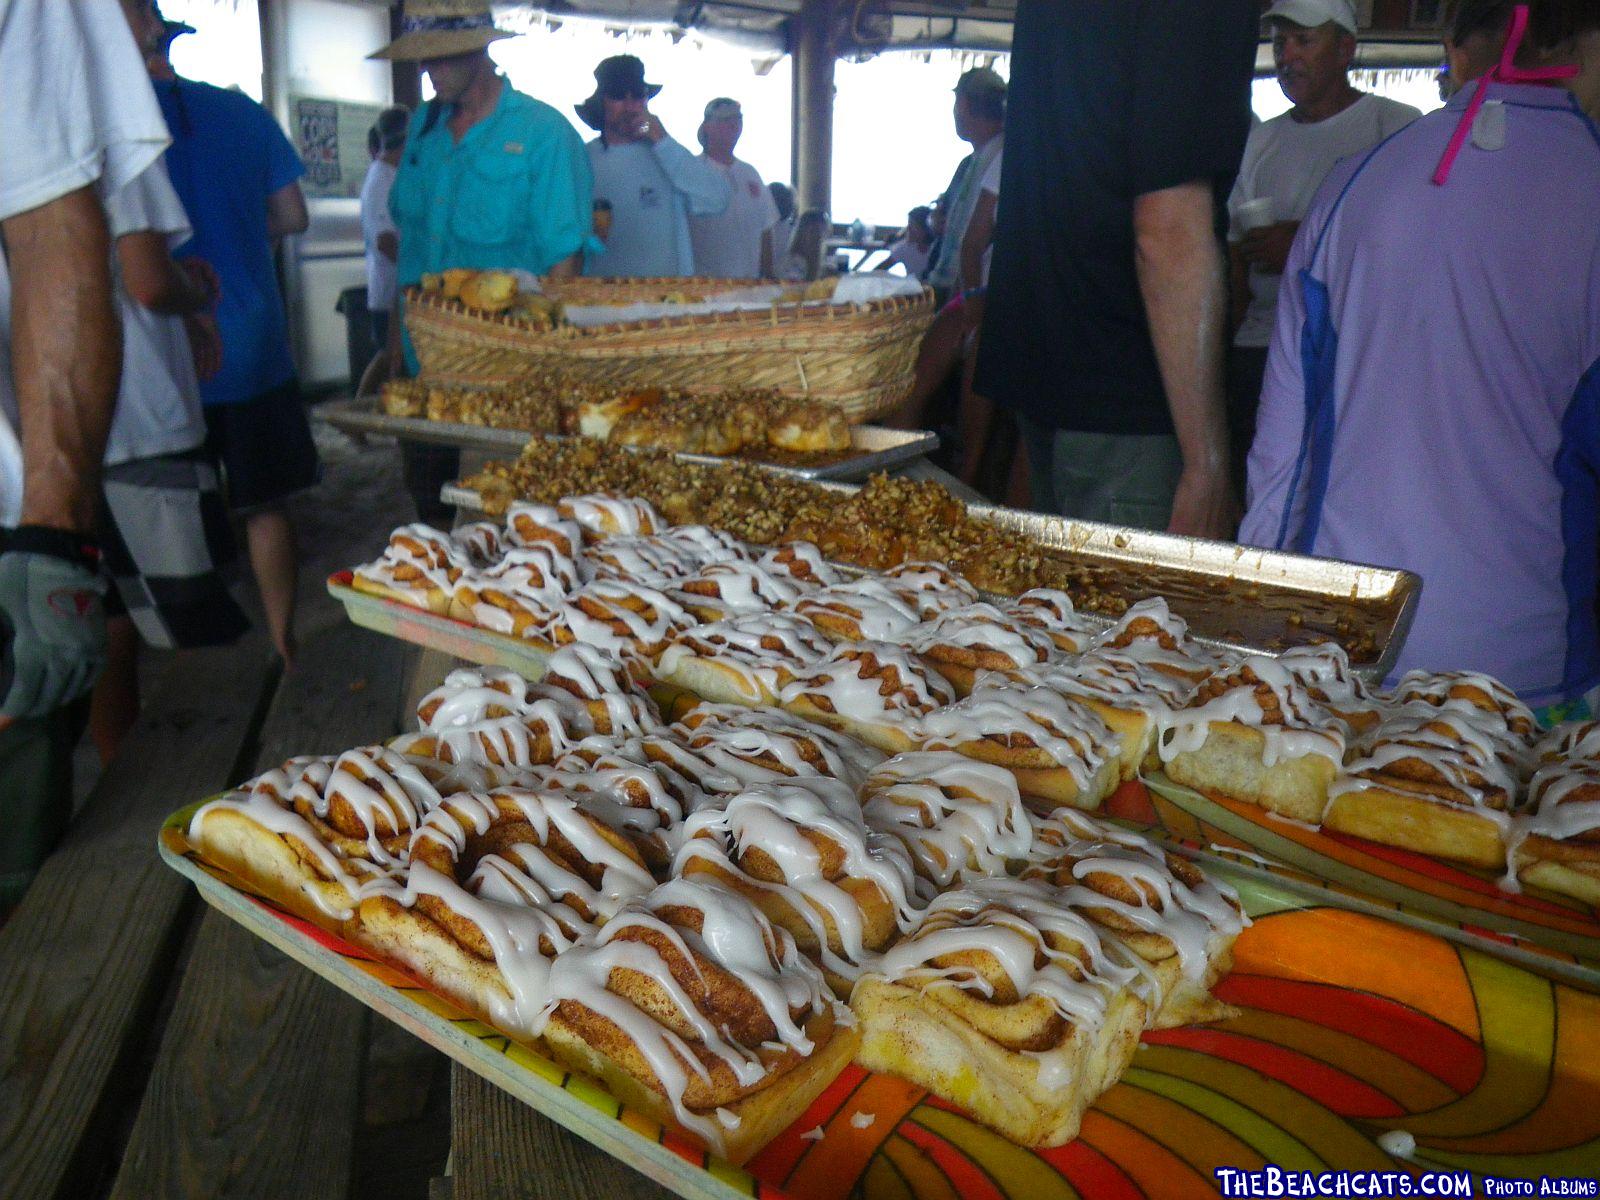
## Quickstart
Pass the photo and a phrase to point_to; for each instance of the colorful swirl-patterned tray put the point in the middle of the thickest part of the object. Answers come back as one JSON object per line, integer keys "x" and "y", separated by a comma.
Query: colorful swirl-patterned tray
{"x": 1536, "y": 928}
{"x": 1350, "y": 1026}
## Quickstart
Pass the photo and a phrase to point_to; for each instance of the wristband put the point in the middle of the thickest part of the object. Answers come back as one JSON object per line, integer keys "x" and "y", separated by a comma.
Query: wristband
{"x": 76, "y": 548}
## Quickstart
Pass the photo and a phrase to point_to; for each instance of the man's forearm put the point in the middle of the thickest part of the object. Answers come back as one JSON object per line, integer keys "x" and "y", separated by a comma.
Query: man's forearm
{"x": 567, "y": 268}
{"x": 66, "y": 354}
{"x": 1181, "y": 279}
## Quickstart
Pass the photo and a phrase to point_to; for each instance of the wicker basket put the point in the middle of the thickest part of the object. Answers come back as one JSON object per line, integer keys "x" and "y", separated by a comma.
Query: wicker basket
{"x": 857, "y": 356}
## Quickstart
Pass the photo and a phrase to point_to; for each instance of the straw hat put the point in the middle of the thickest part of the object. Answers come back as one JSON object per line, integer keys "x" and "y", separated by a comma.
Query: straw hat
{"x": 441, "y": 29}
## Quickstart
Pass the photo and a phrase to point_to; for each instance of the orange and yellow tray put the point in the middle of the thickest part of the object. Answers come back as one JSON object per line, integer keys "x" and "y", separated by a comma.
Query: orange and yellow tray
{"x": 1536, "y": 928}
{"x": 1350, "y": 1026}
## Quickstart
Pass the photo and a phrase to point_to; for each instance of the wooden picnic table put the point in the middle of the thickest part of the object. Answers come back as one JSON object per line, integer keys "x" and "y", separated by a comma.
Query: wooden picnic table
{"x": 151, "y": 1048}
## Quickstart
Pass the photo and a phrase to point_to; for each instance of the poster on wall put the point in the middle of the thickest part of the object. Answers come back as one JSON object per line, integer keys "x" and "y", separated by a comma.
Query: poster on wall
{"x": 331, "y": 136}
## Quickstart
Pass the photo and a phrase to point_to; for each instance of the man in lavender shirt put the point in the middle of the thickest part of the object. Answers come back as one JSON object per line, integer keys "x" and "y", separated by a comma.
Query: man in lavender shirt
{"x": 1432, "y": 398}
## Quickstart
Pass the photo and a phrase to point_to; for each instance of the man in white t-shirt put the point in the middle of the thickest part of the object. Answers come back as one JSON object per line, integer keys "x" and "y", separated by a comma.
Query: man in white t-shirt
{"x": 378, "y": 232}
{"x": 728, "y": 244}
{"x": 72, "y": 77}
{"x": 1285, "y": 162}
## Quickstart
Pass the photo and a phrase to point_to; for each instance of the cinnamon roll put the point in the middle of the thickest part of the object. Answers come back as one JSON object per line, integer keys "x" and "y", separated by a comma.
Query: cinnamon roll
{"x": 763, "y": 745}
{"x": 802, "y": 854}
{"x": 1009, "y": 1003}
{"x": 543, "y": 525}
{"x": 419, "y": 567}
{"x": 608, "y": 516}
{"x": 693, "y": 1007}
{"x": 519, "y": 595}
{"x": 960, "y": 643}
{"x": 875, "y": 692}
{"x": 866, "y": 609}
{"x": 746, "y": 659}
{"x": 629, "y": 621}
{"x": 602, "y": 686}
{"x": 802, "y": 562}
{"x": 1254, "y": 733}
{"x": 1058, "y": 750}
{"x": 1556, "y": 843}
{"x": 958, "y": 818}
{"x": 1160, "y": 639}
{"x": 1050, "y": 611}
{"x": 499, "y": 883}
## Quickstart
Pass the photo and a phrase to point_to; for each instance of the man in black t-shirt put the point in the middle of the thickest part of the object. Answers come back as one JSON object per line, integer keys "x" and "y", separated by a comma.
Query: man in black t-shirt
{"x": 1107, "y": 299}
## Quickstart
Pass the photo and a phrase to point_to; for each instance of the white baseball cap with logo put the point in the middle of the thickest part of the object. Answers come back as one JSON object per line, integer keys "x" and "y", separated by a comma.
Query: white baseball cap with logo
{"x": 1311, "y": 13}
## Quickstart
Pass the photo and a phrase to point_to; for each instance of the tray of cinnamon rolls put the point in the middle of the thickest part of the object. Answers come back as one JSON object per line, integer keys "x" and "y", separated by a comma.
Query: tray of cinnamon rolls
{"x": 751, "y": 951}
{"x": 1440, "y": 798}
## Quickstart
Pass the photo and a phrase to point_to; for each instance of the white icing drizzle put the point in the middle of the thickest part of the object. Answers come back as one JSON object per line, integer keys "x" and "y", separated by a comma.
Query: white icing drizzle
{"x": 602, "y": 683}
{"x": 1117, "y": 678}
{"x": 1573, "y": 739}
{"x": 482, "y": 542}
{"x": 1461, "y": 687}
{"x": 957, "y": 817}
{"x": 1051, "y": 610}
{"x": 932, "y": 587}
{"x": 418, "y": 558}
{"x": 628, "y": 619}
{"x": 981, "y": 628}
{"x": 1302, "y": 726}
{"x": 538, "y": 730}
{"x": 785, "y": 988}
{"x": 802, "y": 562}
{"x": 746, "y": 587}
{"x": 1071, "y": 735}
{"x": 468, "y": 695}
{"x": 760, "y": 649}
{"x": 542, "y": 524}
{"x": 781, "y": 820}
{"x": 1189, "y": 917}
{"x": 1017, "y": 925}
{"x": 604, "y": 516}
{"x": 796, "y": 747}
{"x": 867, "y": 608}
{"x": 652, "y": 559}
{"x": 869, "y": 681}
{"x": 1155, "y": 635}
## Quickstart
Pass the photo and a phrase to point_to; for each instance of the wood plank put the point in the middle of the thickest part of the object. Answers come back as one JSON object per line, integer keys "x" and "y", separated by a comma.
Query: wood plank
{"x": 503, "y": 1150}
{"x": 257, "y": 1089}
{"x": 86, "y": 957}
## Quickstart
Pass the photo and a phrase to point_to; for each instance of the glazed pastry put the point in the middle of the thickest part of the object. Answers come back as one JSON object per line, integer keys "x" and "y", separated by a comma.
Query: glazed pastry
{"x": 933, "y": 587}
{"x": 1159, "y": 905}
{"x": 1556, "y": 843}
{"x": 482, "y": 542}
{"x": 1438, "y": 779}
{"x": 313, "y": 834}
{"x": 1008, "y": 1003}
{"x": 629, "y": 621}
{"x": 802, "y": 562}
{"x": 1488, "y": 695}
{"x": 875, "y": 692}
{"x": 691, "y": 1006}
{"x": 745, "y": 659}
{"x": 739, "y": 587}
{"x": 419, "y": 567}
{"x": 499, "y": 884}
{"x": 470, "y": 695}
{"x": 607, "y": 516}
{"x": 764, "y": 745}
{"x": 519, "y": 595}
{"x": 468, "y": 727}
{"x": 601, "y": 685}
{"x": 654, "y": 560}
{"x": 866, "y": 609}
{"x": 1133, "y": 698}
{"x": 801, "y": 853}
{"x": 1159, "y": 638}
{"x": 1058, "y": 750}
{"x": 543, "y": 525}
{"x": 960, "y": 643}
{"x": 1254, "y": 733}
{"x": 1328, "y": 678}
{"x": 958, "y": 818}
{"x": 1050, "y": 611}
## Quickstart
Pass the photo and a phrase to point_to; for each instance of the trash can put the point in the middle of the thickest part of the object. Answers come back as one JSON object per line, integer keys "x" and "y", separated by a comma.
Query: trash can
{"x": 358, "y": 331}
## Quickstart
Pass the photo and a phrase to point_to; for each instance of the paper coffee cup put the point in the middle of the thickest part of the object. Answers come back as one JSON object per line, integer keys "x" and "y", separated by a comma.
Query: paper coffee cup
{"x": 1253, "y": 214}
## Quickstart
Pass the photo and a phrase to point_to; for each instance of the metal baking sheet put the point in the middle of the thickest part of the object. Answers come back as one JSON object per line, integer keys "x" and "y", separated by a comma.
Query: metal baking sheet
{"x": 1344, "y": 1027}
{"x": 1233, "y": 597}
{"x": 873, "y": 448}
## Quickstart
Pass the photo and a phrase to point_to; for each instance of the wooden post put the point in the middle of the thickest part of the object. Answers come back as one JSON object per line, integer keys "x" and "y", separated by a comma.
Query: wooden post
{"x": 811, "y": 43}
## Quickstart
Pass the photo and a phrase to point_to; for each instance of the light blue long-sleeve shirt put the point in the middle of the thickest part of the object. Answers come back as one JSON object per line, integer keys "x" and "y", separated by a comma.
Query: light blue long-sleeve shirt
{"x": 653, "y": 190}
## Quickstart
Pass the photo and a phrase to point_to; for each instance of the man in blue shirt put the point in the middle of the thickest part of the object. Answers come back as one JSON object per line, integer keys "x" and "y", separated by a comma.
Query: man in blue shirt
{"x": 491, "y": 178}
{"x": 653, "y": 183}
{"x": 236, "y": 174}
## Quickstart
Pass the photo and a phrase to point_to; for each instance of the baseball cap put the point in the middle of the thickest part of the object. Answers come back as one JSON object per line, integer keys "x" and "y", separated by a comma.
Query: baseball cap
{"x": 1311, "y": 13}
{"x": 723, "y": 109}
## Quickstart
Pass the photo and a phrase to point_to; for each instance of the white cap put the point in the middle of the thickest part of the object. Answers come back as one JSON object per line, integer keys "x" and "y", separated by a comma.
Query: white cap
{"x": 1311, "y": 13}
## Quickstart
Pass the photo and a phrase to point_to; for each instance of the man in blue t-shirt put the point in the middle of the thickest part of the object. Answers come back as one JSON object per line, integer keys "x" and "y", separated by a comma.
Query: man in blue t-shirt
{"x": 236, "y": 174}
